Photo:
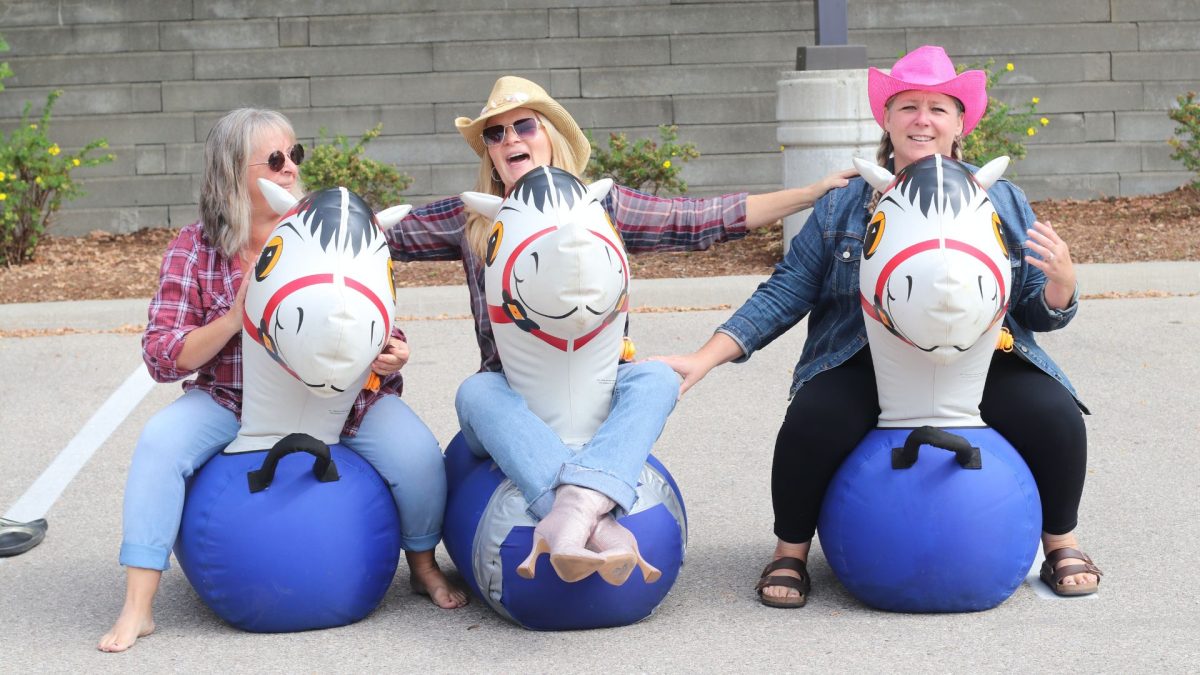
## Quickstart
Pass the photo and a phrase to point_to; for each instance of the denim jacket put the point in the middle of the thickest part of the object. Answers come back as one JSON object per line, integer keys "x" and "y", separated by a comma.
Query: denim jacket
{"x": 818, "y": 278}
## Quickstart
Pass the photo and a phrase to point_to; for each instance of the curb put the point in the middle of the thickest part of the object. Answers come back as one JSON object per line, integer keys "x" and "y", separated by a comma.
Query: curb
{"x": 1170, "y": 278}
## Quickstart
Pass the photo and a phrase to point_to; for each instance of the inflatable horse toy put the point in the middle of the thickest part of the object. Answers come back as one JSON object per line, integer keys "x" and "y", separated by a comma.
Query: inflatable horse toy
{"x": 950, "y": 532}
{"x": 320, "y": 306}
{"x": 556, "y": 282}
{"x": 275, "y": 543}
{"x": 557, "y": 287}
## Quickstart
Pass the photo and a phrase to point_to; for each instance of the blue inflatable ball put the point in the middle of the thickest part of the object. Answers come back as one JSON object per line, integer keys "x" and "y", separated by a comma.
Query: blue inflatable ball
{"x": 488, "y": 533}
{"x": 300, "y": 537}
{"x": 931, "y": 521}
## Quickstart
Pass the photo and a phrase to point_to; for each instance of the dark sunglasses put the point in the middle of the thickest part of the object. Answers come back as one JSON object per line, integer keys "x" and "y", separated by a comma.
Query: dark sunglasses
{"x": 524, "y": 128}
{"x": 275, "y": 160}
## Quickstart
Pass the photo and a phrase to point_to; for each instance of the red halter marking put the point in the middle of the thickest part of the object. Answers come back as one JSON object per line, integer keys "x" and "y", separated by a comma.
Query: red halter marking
{"x": 499, "y": 316}
{"x": 295, "y": 285}
{"x": 920, "y": 247}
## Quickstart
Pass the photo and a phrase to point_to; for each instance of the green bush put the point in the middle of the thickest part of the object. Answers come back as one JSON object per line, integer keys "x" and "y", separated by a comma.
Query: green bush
{"x": 340, "y": 164}
{"x": 35, "y": 178}
{"x": 5, "y": 71}
{"x": 643, "y": 164}
{"x": 1187, "y": 146}
{"x": 1003, "y": 129}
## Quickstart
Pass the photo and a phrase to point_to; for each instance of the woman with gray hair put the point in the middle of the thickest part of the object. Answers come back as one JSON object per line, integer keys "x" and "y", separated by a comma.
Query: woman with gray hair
{"x": 195, "y": 327}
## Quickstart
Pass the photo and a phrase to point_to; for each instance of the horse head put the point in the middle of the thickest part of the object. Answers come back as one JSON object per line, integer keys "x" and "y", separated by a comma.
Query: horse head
{"x": 555, "y": 265}
{"x": 322, "y": 297}
{"x": 934, "y": 271}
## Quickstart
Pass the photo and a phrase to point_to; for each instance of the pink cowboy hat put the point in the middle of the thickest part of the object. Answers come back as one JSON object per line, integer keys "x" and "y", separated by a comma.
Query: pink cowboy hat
{"x": 928, "y": 68}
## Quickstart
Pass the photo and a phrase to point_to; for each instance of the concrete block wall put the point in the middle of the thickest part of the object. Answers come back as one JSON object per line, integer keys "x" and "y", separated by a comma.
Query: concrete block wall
{"x": 151, "y": 76}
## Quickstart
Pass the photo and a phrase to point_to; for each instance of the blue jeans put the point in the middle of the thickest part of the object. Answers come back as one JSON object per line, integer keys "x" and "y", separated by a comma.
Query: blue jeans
{"x": 180, "y": 438}
{"x": 497, "y": 422}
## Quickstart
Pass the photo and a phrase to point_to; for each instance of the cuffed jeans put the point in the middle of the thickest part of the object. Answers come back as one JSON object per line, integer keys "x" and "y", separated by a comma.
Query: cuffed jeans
{"x": 180, "y": 438}
{"x": 497, "y": 422}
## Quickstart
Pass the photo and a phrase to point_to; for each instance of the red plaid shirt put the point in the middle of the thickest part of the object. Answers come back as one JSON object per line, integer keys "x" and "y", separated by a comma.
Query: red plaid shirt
{"x": 197, "y": 284}
{"x": 437, "y": 231}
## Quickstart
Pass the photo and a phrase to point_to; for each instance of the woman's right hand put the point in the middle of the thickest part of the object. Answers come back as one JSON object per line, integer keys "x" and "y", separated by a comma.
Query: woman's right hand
{"x": 719, "y": 349}
{"x": 691, "y": 367}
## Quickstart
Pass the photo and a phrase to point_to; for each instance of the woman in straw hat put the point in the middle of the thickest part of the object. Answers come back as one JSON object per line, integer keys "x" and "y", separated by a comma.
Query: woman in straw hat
{"x": 924, "y": 108}
{"x": 520, "y": 128}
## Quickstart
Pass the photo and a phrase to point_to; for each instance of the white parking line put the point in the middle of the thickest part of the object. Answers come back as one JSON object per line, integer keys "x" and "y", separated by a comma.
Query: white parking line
{"x": 40, "y": 496}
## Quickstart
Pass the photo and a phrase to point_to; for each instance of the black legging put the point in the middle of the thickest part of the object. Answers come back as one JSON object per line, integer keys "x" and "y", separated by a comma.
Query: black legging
{"x": 834, "y": 410}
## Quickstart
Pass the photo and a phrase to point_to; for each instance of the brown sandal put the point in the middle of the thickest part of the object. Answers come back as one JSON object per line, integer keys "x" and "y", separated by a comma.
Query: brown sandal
{"x": 1053, "y": 576}
{"x": 802, "y": 585}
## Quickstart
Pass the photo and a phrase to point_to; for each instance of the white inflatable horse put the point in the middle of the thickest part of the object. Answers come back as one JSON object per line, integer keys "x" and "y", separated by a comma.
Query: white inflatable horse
{"x": 318, "y": 311}
{"x": 557, "y": 288}
{"x": 934, "y": 282}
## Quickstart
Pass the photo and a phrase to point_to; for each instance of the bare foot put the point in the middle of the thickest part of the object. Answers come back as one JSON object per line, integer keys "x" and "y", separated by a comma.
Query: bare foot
{"x": 131, "y": 625}
{"x": 426, "y": 578}
{"x": 786, "y": 550}
{"x": 137, "y": 616}
{"x": 1053, "y": 542}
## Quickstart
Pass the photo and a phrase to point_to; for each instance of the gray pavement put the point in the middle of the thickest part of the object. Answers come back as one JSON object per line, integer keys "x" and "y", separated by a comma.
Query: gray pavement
{"x": 1132, "y": 358}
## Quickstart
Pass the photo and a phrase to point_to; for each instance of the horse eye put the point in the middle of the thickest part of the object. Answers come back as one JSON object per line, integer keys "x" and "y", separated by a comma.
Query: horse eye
{"x": 999, "y": 232}
{"x": 493, "y": 243}
{"x": 874, "y": 234}
{"x": 269, "y": 256}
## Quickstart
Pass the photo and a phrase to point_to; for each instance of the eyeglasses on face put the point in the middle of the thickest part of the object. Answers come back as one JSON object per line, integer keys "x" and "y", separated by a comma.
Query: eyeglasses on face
{"x": 525, "y": 127}
{"x": 275, "y": 159}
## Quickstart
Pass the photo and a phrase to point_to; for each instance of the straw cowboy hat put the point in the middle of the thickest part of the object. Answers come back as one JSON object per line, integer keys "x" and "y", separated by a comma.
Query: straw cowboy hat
{"x": 512, "y": 92}
{"x": 929, "y": 69}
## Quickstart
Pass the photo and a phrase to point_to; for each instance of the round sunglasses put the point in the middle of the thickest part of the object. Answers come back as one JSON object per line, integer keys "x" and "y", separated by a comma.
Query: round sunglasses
{"x": 525, "y": 127}
{"x": 275, "y": 159}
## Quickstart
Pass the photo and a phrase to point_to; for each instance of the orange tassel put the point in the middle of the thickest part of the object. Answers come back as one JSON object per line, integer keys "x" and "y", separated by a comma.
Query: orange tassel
{"x": 372, "y": 383}
{"x": 1004, "y": 341}
{"x": 628, "y": 351}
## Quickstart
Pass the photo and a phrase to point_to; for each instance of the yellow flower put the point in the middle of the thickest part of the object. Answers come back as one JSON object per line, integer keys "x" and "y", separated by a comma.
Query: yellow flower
{"x": 75, "y": 161}
{"x": 38, "y": 180}
{"x": 1031, "y": 131}
{"x": 781, "y": 148}
{"x": 3, "y": 196}
{"x": 1044, "y": 121}
{"x": 667, "y": 164}
{"x": 1009, "y": 67}
{"x": 2, "y": 175}
{"x": 1036, "y": 100}
{"x": 32, "y": 126}
{"x": 54, "y": 150}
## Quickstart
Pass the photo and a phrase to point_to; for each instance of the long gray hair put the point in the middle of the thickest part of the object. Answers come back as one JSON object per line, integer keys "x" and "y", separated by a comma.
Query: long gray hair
{"x": 224, "y": 196}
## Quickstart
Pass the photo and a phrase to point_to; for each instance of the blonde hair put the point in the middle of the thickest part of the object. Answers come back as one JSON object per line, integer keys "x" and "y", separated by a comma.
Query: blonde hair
{"x": 885, "y": 150}
{"x": 488, "y": 182}
{"x": 224, "y": 195}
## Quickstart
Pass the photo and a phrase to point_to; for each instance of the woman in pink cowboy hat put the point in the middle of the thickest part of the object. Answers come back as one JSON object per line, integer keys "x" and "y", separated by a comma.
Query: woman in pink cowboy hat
{"x": 924, "y": 108}
{"x": 520, "y": 128}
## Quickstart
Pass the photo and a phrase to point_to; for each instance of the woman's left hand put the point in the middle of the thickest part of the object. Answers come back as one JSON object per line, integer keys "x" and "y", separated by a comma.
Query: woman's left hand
{"x": 393, "y": 358}
{"x": 1054, "y": 260}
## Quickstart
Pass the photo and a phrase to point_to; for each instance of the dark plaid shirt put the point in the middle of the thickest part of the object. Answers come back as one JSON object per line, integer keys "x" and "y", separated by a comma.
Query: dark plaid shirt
{"x": 197, "y": 284}
{"x": 437, "y": 231}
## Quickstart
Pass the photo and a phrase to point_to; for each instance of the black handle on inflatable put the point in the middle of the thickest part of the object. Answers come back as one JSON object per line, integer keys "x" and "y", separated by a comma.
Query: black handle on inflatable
{"x": 967, "y": 457}
{"x": 323, "y": 468}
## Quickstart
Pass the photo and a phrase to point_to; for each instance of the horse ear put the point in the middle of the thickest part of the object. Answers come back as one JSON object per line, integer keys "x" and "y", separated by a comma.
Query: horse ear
{"x": 390, "y": 216}
{"x": 483, "y": 204}
{"x": 991, "y": 172}
{"x": 876, "y": 175}
{"x": 599, "y": 190}
{"x": 281, "y": 200}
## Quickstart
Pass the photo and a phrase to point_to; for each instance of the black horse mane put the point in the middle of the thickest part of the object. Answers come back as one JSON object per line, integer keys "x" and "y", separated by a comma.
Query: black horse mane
{"x": 322, "y": 211}
{"x": 919, "y": 183}
{"x": 539, "y": 187}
